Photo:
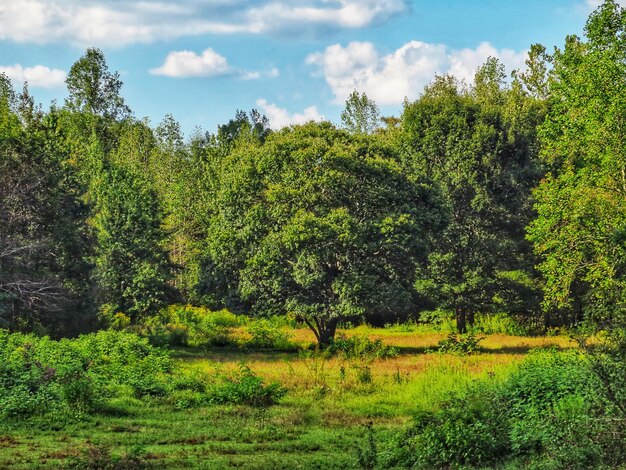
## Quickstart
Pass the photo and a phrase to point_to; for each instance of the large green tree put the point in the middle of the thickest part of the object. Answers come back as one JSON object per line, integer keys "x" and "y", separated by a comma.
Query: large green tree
{"x": 132, "y": 267}
{"x": 479, "y": 146}
{"x": 44, "y": 239}
{"x": 321, "y": 224}
{"x": 93, "y": 89}
{"x": 580, "y": 231}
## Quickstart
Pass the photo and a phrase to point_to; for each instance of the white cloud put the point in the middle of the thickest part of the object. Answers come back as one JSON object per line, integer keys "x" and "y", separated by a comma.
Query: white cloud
{"x": 38, "y": 76}
{"x": 183, "y": 64}
{"x": 114, "y": 22}
{"x": 280, "y": 117}
{"x": 271, "y": 73}
{"x": 388, "y": 79}
{"x": 190, "y": 64}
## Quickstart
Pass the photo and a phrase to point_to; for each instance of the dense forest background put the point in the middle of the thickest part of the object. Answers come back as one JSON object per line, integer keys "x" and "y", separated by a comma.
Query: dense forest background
{"x": 501, "y": 195}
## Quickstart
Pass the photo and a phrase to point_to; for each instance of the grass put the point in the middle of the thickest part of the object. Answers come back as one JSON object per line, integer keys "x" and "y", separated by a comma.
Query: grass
{"x": 320, "y": 423}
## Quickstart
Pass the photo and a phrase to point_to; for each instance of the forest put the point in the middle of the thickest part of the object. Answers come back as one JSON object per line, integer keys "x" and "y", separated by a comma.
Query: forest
{"x": 443, "y": 289}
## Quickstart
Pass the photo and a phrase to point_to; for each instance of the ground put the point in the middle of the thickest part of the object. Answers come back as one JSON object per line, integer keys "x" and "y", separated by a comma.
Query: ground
{"x": 322, "y": 422}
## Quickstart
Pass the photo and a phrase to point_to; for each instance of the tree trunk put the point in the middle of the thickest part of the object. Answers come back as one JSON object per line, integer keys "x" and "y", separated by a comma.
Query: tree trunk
{"x": 461, "y": 320}
{"x": 327, "y": 331}
{"x": 470, "y": 318}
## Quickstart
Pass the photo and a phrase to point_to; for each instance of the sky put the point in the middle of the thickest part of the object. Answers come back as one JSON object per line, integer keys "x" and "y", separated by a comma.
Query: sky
{"x": 294, "y": 61}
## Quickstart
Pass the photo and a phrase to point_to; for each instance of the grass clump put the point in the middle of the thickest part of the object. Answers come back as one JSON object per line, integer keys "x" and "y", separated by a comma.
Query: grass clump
{"x": 361, "y": 347}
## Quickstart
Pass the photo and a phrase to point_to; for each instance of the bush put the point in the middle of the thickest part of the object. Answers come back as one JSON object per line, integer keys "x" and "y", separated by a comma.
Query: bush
{"x": 39, "y": 375}
{"x": 101, "y": 371}
{"x": 265, "y": 335}
{"x": 550, "y": 413}
{"x": 502, "y": 323}
{"x": 465, "y": 431}
{"x": 361, "y": 347}
{"x": 184, "y": 325}
{"x": 442, "y": 320}
{"x": 460, "y": 344}
{"x": 245, "y": 388}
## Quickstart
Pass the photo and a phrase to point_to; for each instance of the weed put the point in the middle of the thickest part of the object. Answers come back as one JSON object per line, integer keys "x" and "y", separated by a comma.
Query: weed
{"x": 367, "y": 452}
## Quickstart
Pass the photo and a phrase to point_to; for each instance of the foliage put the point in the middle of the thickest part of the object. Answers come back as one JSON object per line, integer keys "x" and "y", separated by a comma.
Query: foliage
{"x": 244, "y": 387}
{"x": 360, "y": 115}
{"x": 321, "y": 224}
{"x": 185, "y": 325}
{"x": 93, "y": 89}
{"x": 550, "y": 413}
{"x": 460, "y": 344}
{"x": 44, "y": 239}
{"x": 579, "y": 230}
{"x": 132, "y": 267}
{"x": 479, "y": 146}
{"x": 253, "y": 125}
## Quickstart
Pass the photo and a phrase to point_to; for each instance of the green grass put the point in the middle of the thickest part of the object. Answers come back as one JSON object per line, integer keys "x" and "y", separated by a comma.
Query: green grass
{"x": 320, "y": 423}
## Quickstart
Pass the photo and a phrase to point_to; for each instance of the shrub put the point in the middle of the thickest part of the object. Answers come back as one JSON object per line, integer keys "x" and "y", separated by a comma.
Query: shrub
{"x": 265, "y": 335}
{"x": 39, "y": 375}
{"x": 122, "y": 358}
{"x": 361, "y": 347}
{"x": 549, "y": 413}
{"x": 245, "y": 388}
{"x": 459, "y": 344}
{"x": 100, "y": 371}
{"x": 185, "y": 325}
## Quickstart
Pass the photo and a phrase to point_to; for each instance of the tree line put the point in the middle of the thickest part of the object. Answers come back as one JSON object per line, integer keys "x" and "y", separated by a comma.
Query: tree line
{"x": 493, "y": 196}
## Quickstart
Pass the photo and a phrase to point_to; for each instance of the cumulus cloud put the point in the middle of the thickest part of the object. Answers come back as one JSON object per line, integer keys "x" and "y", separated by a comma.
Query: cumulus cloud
{"x": 114, "y": 22}
{"x": 183, "y": 64}
{"x": 38, "y": 76}
{"x": 280, "y": 117}
{"x": 190, "y": 64}
{"x": 388, "y": 79}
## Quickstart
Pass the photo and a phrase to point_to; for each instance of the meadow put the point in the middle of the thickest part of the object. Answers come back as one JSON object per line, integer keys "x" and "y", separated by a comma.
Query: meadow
{"x": 337, "y": 411}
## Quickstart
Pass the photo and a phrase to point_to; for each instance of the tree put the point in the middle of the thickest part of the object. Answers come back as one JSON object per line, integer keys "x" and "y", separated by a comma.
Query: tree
{"x": 44, "y": 239}
{"x": 360, "y": 115}
{"x": 321, "y": 224}
{"x": 478, "y": 146}
{"x": 93, "y": 89}
{"x": 580, "y": 229}
{"x": 253, "y": 125}
{"x": 132, "y": 266}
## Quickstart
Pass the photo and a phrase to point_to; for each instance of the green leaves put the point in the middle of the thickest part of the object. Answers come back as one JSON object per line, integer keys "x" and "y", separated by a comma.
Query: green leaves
{"x": 320, "y": 223}
{"x": 479, "y": 146}
{"x": 581, "y": 213}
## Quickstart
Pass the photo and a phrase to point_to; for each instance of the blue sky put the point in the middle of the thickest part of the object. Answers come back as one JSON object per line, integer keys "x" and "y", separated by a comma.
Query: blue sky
{"x": 200, "y": 60}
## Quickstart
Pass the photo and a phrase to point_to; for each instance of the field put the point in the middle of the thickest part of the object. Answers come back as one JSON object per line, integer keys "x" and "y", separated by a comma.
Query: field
{"x": 324, "y": 420}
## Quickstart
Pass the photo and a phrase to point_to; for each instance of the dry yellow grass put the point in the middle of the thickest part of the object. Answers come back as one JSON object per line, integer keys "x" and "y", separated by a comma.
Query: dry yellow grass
{"x": 416, "y": 375}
